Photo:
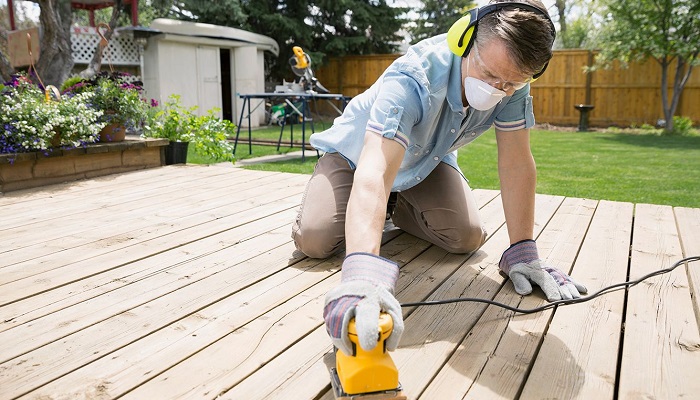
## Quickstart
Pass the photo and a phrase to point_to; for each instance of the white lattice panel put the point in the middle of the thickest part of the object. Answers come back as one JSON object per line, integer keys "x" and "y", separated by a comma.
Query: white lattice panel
{"x": 121, "y": 49}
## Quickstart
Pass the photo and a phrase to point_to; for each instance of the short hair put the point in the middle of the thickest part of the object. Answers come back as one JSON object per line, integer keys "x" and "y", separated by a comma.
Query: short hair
{"x": 527, "y": 35}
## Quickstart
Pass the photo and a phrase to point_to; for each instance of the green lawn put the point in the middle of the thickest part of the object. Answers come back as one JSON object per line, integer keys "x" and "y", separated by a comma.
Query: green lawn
{"x": 611, "y": 166}
{"x": 638, "y": 168}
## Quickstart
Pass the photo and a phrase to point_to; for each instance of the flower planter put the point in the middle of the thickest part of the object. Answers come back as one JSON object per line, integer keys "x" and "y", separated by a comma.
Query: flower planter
{"x": 113, "y": 133}
{"x": 65, "y": 164}
{"x": 176, "y": 153}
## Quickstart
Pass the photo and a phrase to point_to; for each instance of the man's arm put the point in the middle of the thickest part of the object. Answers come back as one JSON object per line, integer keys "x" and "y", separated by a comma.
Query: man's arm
{"x": 366, "y": 212}
{"x": 518, "y": 176}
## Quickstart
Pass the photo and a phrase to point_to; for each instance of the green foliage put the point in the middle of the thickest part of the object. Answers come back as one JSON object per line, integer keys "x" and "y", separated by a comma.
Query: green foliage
{"x": 119, "y": 99}
{"x": 579, "y": 34}
{"x": 437, "y": 17}
{"x": 323, "y": 28}
{"x": 148, "y": 11}
{"x": 637, "y": 29}
{"x": 221, "y": 12}
{"x": 172, "y": 121}
{"x": 668, "y": 31}
{"x": 207, "y": 134}
{"x": 682, "y": 126}
{"x": 638, "y": 168}
{"x": 30, "y": 122}
{"x": 72, "y": 81}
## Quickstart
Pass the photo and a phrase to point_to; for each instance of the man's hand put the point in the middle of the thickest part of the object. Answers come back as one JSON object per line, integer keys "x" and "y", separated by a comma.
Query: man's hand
{"x": 366, "y": 289}
{"x": 523, "y": 265}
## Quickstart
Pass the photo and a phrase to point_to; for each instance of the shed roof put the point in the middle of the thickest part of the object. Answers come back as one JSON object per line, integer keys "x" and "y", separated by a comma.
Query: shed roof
{"x": 198, "y": 29}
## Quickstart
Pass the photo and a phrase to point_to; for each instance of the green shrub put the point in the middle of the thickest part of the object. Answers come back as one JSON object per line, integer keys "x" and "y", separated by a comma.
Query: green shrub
{"x": 682, "y": 126}
{"x": 207, "y": 134}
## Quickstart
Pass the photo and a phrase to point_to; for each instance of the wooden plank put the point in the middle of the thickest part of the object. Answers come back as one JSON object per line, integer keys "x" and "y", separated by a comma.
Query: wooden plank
{"x": 167, "y": 271}
{"x": 70, "y": 272}
{"x": 423, "y": 259}
{"x": 578, "y": 358}
{"x": 490, "y": 360}
{"x": 688, "y": 221}
{"x": 99, "y": 326}
{"x": 660, "y": 320}
{"x": 417, "y": 281}
{"x": 70, "y": 217}
{"x": 120, "y": 270}
{"x": 73, "y": 188}
{"x": 299, "y": 372}
{"x": 74, "y": 202}
{"x": 116, "y": 270}
{"x": 58, "y": 237}
{"x": 268, "y": 317}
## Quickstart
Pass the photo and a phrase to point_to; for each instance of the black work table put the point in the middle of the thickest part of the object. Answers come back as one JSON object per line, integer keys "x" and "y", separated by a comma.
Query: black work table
{"x": 303, "y": 111}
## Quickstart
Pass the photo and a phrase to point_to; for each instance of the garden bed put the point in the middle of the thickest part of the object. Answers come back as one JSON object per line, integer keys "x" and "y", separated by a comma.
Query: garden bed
{"x": 28, "y": 170}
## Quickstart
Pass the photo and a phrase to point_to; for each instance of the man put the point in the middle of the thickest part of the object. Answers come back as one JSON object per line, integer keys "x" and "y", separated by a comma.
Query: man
{"x": 401, "y": 137}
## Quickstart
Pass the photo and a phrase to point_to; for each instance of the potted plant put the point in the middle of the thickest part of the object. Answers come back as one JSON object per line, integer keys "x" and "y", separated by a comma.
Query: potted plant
{"x": 119, "y": 100}
{"x": 208, "y": 133}
{"x": 32, "y": 121}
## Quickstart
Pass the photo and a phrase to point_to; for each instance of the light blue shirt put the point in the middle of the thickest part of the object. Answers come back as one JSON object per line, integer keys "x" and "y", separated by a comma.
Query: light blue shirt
{"x": 417, "y": 102}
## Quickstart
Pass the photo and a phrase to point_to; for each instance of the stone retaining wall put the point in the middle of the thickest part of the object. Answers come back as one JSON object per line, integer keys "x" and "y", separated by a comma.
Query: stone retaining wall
{"x": 28, "y": 170}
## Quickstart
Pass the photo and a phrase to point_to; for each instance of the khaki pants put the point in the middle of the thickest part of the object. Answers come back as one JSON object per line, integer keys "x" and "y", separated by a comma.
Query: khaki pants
{"x": 441, "y": 210}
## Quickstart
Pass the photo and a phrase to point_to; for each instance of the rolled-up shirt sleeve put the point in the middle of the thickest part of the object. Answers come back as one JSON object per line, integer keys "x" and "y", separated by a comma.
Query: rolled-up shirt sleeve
{"x": 517, "y": 114}
{"x": 397, "y": 108}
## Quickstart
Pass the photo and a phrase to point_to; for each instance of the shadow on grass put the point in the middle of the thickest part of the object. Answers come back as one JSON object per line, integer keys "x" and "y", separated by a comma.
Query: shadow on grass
{"x": 660, "y": 142}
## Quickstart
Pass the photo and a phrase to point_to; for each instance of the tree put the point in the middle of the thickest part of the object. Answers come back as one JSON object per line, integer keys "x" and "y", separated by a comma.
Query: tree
{"x": 578, "y": 32}
{"x": 56, "y": 58}
{"x": 437, "y": 17}
{"x": 96, "y": 63}
{"x": 356, "y": 27}
{"x": 321, "y": 27}
{"x": 666, "y": 30}
{"x": 221, "y": 12}
{"x": 286, "y": 22}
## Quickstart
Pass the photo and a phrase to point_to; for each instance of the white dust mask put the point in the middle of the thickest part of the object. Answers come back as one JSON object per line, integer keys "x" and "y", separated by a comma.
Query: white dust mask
{"x": 481, "y": 95}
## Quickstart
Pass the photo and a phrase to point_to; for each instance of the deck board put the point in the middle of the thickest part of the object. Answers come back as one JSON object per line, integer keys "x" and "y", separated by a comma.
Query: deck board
{"x": 182, "y": 282}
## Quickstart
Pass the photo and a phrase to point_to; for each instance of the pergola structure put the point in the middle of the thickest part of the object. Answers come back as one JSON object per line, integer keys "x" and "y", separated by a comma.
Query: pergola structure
{"x": 90, "y": 6}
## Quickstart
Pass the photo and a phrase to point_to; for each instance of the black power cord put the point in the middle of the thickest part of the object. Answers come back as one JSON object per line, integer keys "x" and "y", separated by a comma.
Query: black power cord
{"x": 553, "y": 304}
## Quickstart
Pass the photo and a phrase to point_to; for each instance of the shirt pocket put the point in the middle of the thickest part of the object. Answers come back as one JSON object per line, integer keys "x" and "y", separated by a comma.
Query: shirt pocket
{"x": 416, "y": 153}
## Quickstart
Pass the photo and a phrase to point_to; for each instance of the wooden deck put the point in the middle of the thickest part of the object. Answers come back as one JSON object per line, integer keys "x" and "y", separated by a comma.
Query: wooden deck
{"x": 182, "y": 282}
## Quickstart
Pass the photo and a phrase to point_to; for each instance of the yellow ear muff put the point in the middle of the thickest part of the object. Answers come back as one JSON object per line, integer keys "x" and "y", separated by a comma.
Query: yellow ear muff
{"x": 459, "y": 37}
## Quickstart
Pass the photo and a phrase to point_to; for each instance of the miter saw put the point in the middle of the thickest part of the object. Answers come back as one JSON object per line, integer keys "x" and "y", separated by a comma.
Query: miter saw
{"x": 301, "y": 66}
{"x": 307, "y": 83}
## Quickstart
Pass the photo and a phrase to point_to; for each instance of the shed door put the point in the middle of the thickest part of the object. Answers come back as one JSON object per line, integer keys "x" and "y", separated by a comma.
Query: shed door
{"x": 209, "y": 78}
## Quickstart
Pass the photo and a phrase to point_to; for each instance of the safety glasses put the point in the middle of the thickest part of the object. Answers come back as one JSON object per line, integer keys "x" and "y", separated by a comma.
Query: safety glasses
{"x": 492, "y": 80}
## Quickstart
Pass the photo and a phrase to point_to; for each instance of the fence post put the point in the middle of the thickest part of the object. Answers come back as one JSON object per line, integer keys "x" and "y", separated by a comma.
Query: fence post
{"x": 589, "y": 77}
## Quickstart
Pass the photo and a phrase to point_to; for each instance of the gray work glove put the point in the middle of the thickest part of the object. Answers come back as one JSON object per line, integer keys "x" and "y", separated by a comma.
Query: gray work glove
{"x": 366, "y": 289}
{"x": 522, "y": 264}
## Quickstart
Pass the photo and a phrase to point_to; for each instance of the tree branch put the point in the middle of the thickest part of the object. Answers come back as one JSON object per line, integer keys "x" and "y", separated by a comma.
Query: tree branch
{"x": 96, "y": 63}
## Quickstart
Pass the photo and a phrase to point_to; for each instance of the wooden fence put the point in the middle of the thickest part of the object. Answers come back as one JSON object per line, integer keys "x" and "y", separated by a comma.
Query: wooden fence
{"x": 621, "y": 97}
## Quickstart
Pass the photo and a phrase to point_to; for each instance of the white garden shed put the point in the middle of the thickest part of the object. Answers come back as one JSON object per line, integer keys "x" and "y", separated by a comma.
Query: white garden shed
{"x": 207, "y": 65}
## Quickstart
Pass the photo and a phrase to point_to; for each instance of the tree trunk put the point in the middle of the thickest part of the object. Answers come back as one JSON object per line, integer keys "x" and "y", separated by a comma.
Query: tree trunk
{"x": 5, "y": 68}
{"x": 561, "y": 10}
{"x": 56, "y": 58}
{"x": 684, "y": 68}
{"x": 96, "y": 63}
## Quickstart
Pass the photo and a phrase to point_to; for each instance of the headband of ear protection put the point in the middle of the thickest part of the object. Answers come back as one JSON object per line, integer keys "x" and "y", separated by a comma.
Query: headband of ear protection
{"x": 460, "y": 37}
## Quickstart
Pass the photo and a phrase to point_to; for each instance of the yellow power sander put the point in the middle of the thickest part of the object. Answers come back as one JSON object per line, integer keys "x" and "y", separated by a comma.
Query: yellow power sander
{"x": 367, "y": 374}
